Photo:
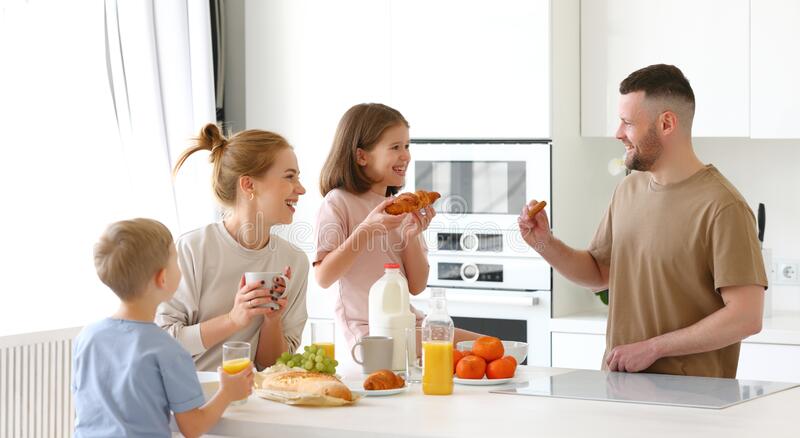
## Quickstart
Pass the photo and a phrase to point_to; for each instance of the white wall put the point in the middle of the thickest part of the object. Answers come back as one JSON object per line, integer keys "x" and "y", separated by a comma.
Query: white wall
{"x": 582, "y": 186}
{"x": 764, "y": 171}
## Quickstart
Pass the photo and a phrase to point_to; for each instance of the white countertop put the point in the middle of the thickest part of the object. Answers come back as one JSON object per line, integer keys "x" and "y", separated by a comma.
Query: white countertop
{"x": 473, "y": 411}
{"x": 781, "y": 328}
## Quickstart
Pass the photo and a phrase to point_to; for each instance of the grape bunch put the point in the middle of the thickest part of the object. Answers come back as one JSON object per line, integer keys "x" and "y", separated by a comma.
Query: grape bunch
{"x": 312, "y": 359}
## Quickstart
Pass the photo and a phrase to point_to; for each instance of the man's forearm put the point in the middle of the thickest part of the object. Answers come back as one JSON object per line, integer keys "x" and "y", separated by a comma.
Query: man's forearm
{"x": 577, "y": 266}
{"x": 724, "y": 327}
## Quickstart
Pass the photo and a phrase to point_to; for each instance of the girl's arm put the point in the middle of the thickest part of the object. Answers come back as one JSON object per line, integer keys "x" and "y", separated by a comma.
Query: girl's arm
{"x": 415, "y": 261}
{"x": 336, "y": 263}
{"x": 414, "y": 254}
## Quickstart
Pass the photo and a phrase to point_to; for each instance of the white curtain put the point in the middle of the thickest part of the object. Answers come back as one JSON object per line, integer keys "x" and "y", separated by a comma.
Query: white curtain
{"x": 66, "y": 170}
{"x": 161, "y": 75}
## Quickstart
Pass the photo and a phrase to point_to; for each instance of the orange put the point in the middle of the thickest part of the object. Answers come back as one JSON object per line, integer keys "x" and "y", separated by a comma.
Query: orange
{"x": 488, "y": 347}
{"x": 457, "y": 355}
{"x": 471, "y": 367}
{"x": 501, "y": 368}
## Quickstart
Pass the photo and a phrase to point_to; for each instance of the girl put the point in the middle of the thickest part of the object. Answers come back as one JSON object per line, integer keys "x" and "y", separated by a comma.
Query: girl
{"x": 255, "y": 178}
{"x": 366, "y": 165}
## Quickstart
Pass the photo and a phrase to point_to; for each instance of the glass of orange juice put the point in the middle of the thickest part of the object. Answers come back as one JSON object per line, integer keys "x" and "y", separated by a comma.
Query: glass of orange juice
{"x": 235, "y": 358}
{"x": 323, "y": 336}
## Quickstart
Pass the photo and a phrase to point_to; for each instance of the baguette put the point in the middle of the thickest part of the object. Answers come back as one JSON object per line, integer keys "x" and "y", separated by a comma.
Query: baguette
{"x": 307, "y": 383}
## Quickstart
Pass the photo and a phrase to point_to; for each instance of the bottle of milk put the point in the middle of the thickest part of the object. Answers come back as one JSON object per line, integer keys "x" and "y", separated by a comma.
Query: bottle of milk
{"x": 389, "y": 312}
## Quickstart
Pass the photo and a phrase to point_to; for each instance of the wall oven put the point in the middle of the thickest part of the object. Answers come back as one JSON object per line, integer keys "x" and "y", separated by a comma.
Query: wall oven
{"x": 474, "y": 240}
{"x": 496, "y": 284}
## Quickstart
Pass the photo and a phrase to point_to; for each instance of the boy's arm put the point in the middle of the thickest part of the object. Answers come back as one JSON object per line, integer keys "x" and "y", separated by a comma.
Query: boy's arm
{"x": 200, "y": 420}
{"x": 197, "y": 421}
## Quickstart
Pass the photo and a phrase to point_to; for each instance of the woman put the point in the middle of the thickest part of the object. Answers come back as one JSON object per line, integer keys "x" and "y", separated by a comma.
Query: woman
{"x": 255, "y": 178}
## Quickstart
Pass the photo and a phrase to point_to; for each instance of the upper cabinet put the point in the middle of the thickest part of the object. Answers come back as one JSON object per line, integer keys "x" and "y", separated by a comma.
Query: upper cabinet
{"x": 472, "y": 69}
{"x": 775, "y": 69}
{"x": 707, "y": 39}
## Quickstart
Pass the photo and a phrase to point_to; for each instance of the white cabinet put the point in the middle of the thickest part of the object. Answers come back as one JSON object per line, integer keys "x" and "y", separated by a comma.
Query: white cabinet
{"x": 472, "y": 69}
{"x": 769, "y": 362}
{"x": 775, "y": 69}
{"x": 757, "y": 361}
{"x": 706, "y": 39}
{"x": 577, "y": 350}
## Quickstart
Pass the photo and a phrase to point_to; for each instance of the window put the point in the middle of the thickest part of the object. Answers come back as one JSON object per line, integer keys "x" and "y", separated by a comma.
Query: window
{"x": 64, "y": 177}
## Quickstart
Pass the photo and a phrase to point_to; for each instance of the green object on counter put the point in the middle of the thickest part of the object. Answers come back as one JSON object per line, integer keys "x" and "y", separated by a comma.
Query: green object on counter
{"x": 603, "y": 295}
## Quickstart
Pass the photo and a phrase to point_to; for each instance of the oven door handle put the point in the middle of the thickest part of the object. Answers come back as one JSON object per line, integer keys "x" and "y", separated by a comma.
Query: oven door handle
{"x": 497, "y": 300}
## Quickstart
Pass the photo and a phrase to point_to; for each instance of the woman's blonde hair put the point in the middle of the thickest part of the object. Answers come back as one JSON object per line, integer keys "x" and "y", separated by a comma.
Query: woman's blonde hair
{"x": 246, "y": 153}
{"x": 360, "y": 128}
{"x": 130, "y": 253}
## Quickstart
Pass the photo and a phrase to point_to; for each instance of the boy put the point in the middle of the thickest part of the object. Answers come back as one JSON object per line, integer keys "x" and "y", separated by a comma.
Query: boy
{"x": 128, "y": 374}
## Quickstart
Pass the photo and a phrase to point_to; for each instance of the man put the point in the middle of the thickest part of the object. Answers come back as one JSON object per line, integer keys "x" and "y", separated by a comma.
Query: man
{"x": 677, "y": 247}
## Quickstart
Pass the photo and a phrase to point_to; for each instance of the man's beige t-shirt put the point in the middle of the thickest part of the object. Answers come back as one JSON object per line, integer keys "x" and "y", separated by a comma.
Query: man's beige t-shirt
{"x": 670, "y": 248}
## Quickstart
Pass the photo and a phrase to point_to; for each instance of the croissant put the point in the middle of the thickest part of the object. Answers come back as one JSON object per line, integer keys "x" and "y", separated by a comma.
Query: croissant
{"x": 536, "y": 207}
{"x": 409, "y": 202}
{"x": 383, "y": 379}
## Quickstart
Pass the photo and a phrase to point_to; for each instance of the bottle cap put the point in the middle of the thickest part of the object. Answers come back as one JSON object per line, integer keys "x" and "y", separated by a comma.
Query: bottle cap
{"x": 391, "y": 266}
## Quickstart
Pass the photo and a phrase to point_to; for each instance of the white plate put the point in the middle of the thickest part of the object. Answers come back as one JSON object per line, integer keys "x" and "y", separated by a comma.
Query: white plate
{"x": 481, "y": 382}
{"x": 379, "y": 392}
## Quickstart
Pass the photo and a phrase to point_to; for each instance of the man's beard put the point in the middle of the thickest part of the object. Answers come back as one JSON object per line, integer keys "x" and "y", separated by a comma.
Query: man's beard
{"x": 645, "y": 154}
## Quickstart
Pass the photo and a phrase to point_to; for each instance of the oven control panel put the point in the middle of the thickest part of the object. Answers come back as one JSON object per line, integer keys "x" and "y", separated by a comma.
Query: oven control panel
{"x": 470, "y": 272}
{"x": 477, "y": 242}
{"x": 489, "y": 271}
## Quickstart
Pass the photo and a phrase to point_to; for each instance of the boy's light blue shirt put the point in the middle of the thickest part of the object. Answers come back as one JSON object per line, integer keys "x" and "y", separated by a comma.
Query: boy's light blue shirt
{"x": 126, "y": 378}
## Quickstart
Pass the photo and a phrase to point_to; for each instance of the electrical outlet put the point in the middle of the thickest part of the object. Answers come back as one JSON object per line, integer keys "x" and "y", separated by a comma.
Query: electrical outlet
{"x": 787, "y": 272}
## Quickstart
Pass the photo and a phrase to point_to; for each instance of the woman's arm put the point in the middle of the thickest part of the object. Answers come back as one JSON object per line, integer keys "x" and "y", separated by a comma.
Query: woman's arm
{"x": 246, "y": 305}
{"x": 281, "y": 330}
{"x": 271, "y": 342}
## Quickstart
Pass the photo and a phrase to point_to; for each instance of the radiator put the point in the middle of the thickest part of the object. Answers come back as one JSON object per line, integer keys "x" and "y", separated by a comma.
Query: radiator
{"x": 35, "y": 375}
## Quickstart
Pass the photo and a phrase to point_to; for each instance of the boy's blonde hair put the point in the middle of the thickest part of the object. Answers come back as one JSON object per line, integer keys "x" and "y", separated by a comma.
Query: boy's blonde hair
{"x": 130, "y": 253}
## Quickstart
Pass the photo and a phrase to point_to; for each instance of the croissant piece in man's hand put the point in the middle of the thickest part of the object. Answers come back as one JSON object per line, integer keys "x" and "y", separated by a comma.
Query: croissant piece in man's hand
{"x": 383, "y": 379}
{"x": 410, "y": 202}
{"x": 536, "y": 207}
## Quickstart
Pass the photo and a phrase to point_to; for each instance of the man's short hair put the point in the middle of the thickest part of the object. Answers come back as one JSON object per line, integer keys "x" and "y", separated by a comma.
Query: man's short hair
{"x": 660, "y": 81}
{"x": 130, "y": 253}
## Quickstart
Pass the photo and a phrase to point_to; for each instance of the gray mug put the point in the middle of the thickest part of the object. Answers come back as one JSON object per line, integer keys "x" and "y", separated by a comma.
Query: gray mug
{"x": 376, "y": 353}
